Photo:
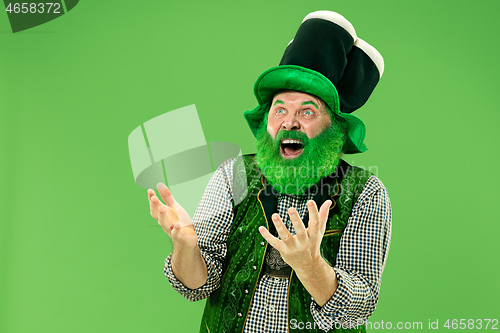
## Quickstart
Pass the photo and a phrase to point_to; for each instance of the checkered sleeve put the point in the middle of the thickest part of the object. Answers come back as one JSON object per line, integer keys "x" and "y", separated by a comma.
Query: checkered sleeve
{"x": 212, "y": 221}
{"x": 360, "y": 260}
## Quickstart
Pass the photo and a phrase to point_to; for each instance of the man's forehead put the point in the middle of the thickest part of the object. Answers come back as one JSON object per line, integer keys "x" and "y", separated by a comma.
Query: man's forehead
{"x": 281, "y": 97}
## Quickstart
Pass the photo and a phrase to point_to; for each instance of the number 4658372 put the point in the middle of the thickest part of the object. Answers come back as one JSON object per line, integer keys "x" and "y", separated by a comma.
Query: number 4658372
{"x": 471, "y": 324}
{"x": 33, "y": 8}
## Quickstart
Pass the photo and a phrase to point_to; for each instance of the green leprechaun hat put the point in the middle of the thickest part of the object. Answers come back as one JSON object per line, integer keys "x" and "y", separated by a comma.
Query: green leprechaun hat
{"x": 328, "y": 60}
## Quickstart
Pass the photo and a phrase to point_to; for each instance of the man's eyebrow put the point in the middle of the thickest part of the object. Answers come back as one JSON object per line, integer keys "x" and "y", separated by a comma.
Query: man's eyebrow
{"x": 310, "y": 102}
{"x": 278, "y": 101}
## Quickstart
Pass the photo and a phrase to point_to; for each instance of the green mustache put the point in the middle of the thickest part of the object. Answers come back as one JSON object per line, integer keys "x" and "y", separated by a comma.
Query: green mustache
{"x": 293, "y": 135}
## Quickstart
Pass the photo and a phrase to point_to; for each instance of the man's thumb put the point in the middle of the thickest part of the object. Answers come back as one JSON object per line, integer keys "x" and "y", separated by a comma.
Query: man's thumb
{"x": 166, "y": 195}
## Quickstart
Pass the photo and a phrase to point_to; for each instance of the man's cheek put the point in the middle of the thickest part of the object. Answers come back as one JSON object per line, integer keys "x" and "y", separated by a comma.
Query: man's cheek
{"x": 271, "y": 131}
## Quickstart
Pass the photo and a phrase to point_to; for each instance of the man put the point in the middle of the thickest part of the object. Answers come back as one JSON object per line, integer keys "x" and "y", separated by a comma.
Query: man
{"x": 259, "y": 248}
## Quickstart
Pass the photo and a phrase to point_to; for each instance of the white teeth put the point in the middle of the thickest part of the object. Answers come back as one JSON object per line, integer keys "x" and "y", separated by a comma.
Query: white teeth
{"x": 291, "y": 141}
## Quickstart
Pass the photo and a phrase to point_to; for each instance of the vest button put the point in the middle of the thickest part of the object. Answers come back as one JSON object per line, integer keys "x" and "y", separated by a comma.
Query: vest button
{"x": 240, "y": 314}
{"x": 246, "y": 291}
{"x": 262, "y": 243}
{"x": 254, "y": 268}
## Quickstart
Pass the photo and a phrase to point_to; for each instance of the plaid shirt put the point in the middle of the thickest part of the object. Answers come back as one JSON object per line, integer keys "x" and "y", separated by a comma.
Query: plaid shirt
{"x": 360, "y": 261}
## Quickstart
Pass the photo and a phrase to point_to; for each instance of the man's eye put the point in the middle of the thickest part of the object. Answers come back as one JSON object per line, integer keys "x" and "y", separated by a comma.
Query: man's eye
{"x": 280, "y": 111}
{"x": 308, "y": 113}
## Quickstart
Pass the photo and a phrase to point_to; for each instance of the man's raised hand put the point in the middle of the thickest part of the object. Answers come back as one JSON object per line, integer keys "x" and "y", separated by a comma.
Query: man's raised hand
{"x": 174, "y": 220}
{"x": 301, "y": 250}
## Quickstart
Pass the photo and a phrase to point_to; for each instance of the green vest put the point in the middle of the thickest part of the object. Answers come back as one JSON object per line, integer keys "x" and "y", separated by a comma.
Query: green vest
{"x": 254, "y": 202}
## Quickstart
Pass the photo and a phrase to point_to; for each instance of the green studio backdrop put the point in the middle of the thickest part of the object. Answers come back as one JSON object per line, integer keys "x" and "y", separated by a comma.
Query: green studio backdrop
{"x": 78, "y": 249}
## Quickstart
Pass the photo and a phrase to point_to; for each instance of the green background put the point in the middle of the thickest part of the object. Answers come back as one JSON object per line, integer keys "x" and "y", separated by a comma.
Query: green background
{"x": 78, "y": 249}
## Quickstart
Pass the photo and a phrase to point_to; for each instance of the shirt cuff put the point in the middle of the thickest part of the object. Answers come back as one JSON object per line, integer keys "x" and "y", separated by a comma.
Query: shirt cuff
{"x": 345, "y": 309}
{"x": 213, "y": 280}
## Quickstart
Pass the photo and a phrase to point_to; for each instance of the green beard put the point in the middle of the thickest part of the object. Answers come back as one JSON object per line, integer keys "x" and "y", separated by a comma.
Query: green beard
{"x": 320, "y": 157}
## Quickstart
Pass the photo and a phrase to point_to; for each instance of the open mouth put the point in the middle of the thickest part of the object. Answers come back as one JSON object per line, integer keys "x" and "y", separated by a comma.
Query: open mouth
{"x": 291, "y": 148}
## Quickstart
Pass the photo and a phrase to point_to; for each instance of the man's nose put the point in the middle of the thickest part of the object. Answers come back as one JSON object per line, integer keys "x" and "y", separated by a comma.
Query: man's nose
{"x": 291, "y": 122}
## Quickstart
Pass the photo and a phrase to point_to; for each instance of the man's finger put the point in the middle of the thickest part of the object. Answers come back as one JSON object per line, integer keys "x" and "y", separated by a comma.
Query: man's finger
{"x": 273, "y": 241}
{"x": 150, "y": 194}
{"x": 280, "y": 228}
{"x": 323, "y": 215}
{"x": 166, "y": 195}
{"x": 314, "y": 218}
{"x": 153, "y": 206}
{"x": 298, "y": 225}
{"x": 317, "y": 220}
{"x": 163, "y": 220}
